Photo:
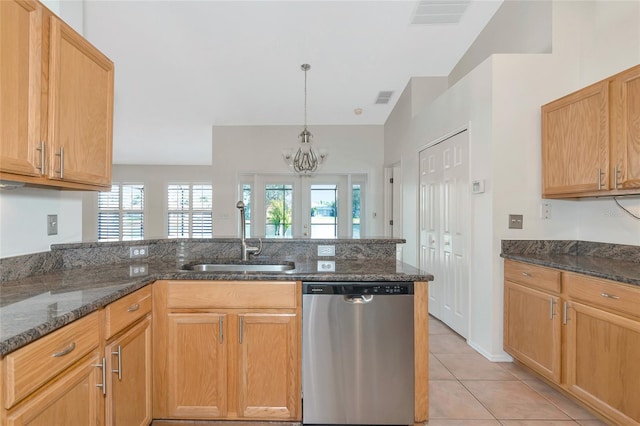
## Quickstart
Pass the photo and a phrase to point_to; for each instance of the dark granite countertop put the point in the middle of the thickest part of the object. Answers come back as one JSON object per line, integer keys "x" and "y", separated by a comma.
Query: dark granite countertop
{"x": 610, "y": 269}
{"x": 601, "y": 260}
{"x": 34, "y": 306}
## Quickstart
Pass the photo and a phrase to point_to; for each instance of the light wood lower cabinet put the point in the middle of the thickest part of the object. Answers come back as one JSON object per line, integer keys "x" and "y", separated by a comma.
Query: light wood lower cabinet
{"x": 268, "y": 383}
{"x": 128, "y": 358}
{"x": 603, "y": 361}
{"x": 218, "y": 356}
{"x": 74, "y": 399}
{"x": 532, "y": 328}
{"x": 585, "y": 338}
{"x": 196, "y": 365}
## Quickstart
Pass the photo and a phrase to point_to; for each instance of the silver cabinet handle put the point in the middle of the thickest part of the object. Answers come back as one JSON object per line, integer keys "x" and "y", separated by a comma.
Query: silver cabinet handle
{"x": 610, "y": 296}
{"x": 61, "y": 155}
{"x": 42, "y": 158}
{"x": 133, "y": 308}
{"x": 564, "y": 313}
{"x": 551, "y": 308}
{"x": 119, "y": 369}
{"x": 600, "y": 179}
{"x": 103, "y": 366}
{"x": 240, "y": 329}
{"x": 220, "y": 325}
{"x": 526, "y": 274}
{"x": 65, "y": 351}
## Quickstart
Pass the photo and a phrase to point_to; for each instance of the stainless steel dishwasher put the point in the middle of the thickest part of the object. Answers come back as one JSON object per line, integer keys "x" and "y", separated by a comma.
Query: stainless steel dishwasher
{"x": 357, "y": 353}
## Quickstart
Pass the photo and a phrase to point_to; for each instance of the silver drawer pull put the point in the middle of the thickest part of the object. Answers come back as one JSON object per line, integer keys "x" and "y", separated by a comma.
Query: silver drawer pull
{"x": 526, "y": 274}
{"x": 609, "y": 296}
{"x": 119, "y": 354}
{"x": 65, "y": 351}
{"x": 103, "y": 367}
{"x": 133, "y": 308}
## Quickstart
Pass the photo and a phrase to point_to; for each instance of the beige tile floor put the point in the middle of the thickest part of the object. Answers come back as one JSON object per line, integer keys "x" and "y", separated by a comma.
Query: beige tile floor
{"x": 465, "y": 389}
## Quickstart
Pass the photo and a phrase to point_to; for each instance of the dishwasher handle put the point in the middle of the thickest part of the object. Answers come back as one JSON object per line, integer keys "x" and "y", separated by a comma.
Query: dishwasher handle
{"x": 358, "y": 299}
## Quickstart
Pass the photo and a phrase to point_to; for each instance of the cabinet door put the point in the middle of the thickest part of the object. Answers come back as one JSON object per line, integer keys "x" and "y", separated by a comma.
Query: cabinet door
{"x": 602, "y": 362}
{"x": 129, "y": 381}
{"x": 80, "y": 117}
{"x": 197, "y": 365}
{"x": 575, "y": 142}
{"x": 626, "y": 129}
{"x": 532, "y": 329}
{"x": 20, "y": 77}
{"x": 73, "y": 399}
{"x": 269, "y": 370}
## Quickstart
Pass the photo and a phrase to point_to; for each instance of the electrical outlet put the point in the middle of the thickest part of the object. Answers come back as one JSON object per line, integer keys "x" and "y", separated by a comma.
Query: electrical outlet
{"x": 52, "y": 224}
{"x": 138, "y": 270}
{"x": 545, "y": 211}
{"x": 326, "y": 265}
{"x": 326, "y": 250}
{"x": 137, "y": 252}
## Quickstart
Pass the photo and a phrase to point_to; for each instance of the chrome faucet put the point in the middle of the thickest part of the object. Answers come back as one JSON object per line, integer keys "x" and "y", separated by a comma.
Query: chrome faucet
{"x": 245, "y": 248}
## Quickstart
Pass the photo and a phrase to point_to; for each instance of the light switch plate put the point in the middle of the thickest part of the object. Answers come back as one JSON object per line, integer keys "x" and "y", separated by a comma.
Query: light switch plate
{"x": 52, "y": 224}
{"x": 515, "y": 221}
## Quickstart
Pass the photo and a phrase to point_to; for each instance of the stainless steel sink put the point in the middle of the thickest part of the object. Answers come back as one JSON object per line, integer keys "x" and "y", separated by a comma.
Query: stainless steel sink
{"x": 240, "y": 266}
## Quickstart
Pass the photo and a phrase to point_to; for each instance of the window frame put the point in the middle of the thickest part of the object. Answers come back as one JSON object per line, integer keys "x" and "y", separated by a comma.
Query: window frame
{"x": 121, "y": 212}
{"x": 189, "y": 212}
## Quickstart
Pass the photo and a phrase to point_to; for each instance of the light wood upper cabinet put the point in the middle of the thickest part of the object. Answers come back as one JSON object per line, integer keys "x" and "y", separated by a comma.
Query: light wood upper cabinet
{"x": 20, "y": 76}
{"x": 80, "y": 110}
{"x": 56, "y": 99}
{"x": 625, "y": 95}
{"x": 575, "y": 140}
{"x": 591, "y": 140}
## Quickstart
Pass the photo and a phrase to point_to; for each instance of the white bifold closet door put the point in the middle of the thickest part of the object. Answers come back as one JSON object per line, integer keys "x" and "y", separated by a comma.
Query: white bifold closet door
{"x": 444, "y": 228}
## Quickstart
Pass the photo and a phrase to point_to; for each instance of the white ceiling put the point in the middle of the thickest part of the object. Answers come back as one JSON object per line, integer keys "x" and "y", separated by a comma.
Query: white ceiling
{"x": 183, "y": 66}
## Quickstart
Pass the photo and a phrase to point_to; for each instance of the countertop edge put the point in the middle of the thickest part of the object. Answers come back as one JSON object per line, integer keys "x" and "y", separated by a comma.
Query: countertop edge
{"x": 22, "y": 339}
{"x": 558, "y": 263}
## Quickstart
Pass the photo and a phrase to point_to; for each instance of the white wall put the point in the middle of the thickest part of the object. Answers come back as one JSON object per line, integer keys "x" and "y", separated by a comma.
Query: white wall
{"x": 501, "y": 99}
{"x": 253, "y": 149}
{"x": 258, "y": 149}
{"x": 23, "y": 219}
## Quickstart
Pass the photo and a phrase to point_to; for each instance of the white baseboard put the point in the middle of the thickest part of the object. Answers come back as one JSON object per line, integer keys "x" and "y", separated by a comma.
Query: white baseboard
{"x": 503, "y": 357}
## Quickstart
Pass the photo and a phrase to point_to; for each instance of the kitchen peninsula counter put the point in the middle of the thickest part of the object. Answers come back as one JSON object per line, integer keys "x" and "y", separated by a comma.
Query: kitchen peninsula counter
{"x": 33, "y": 306}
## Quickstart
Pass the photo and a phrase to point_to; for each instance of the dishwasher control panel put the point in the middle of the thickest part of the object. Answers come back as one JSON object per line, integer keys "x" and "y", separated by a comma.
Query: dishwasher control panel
{"x": 357, "y": 288}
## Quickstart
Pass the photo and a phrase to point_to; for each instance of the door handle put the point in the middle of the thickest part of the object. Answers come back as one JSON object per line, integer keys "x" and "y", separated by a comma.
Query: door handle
{"x": 359, "y": 299}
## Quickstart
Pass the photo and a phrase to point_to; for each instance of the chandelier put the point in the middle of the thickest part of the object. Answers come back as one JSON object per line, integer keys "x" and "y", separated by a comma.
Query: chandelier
{"x": 305, "y": 161}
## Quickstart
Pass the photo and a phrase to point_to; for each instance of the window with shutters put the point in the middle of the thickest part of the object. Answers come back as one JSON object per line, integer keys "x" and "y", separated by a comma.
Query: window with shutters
{"x": 189, "y": 208}
{"x": 121, "y": 213}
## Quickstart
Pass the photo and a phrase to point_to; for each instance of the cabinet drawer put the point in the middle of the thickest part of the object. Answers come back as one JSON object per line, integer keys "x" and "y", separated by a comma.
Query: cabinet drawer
{"x": 30, "y": 367}
{"x": 231, "y": 294}
{"x": 607, "y": 294}
{"x": 124, "y": 312}
{"x": 532, "y": 275}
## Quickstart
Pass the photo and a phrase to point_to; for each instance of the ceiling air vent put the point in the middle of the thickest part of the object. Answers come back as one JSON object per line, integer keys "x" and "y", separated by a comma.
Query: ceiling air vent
{"x": 437, "y": 12}
{"x": 383, "y": 97}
